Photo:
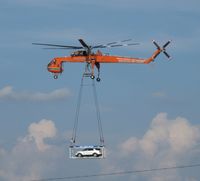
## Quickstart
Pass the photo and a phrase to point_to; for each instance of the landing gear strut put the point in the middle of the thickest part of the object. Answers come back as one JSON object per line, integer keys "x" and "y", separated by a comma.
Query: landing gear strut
{"x": 90, "y": 73}
{"x": 98, "y": 68}
{"x": 55, "y": 76}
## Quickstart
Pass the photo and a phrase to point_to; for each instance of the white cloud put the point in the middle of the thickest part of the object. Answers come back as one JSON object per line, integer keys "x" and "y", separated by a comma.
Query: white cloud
{"x": 7, "y": 93}
{"x": 175, "y": 136}
{"x": 39, "y": 131}
{"x": 31, "y": 157}
{"x": 168, "y": 142}
{"x": 129, "y": 146}
{"x": 183, "y": 136}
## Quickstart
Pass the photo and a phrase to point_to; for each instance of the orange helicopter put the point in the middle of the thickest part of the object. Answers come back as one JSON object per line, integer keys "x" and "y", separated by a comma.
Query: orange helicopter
{"x": 84, "y": 54}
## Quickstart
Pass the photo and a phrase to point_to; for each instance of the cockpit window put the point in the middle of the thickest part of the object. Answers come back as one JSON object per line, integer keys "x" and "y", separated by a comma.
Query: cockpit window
{"x": 79, "y": 53}
{"x": 52, "y": 62}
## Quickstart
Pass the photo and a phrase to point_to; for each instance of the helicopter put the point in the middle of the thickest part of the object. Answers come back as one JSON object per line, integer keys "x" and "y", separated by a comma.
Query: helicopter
{"x": 85, "y": 54}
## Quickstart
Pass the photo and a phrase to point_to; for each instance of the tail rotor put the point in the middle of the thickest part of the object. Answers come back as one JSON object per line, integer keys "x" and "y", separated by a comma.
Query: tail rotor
{"x": 163, "y": 48}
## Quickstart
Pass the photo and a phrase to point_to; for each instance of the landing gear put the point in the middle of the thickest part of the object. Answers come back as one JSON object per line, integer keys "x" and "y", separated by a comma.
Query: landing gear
{"x": 92, "y": 76}
{"x": 98, "y": 79}
{"x": 55, "y": 76}
{"x": 89, "y": 71}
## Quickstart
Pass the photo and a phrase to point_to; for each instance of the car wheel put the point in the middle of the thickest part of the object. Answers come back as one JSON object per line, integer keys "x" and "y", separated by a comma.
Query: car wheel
{"x": 95, "y": 155}
{"x": 79, "y": 155}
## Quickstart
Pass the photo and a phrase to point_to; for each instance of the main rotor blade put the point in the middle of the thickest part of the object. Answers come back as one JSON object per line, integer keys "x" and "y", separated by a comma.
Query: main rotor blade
{"x": 111, "y": 43}
{"x": 63, "y": 48}
{"x": 124, "y": 45}
{"x": 117, "y": 45}
{"x": 55, "y": 45}
{"x": 115, "y": 42}
{"x": 83, "y": 43}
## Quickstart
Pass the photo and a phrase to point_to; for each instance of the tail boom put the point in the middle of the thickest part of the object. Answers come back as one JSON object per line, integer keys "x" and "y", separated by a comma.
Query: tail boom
{"x": 152, "y": 58}
{"x": 118, "y": 59}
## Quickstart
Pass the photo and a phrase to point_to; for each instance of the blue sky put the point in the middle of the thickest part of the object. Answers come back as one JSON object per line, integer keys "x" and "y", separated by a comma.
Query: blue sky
{"x": 150, "y": 113}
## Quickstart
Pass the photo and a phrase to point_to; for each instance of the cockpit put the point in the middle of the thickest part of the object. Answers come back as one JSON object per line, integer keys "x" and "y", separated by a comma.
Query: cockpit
{"x": 79, "y": 53}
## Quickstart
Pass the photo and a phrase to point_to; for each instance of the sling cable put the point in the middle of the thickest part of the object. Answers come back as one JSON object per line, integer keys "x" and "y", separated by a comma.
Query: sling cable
{"x": 87, "y": 151}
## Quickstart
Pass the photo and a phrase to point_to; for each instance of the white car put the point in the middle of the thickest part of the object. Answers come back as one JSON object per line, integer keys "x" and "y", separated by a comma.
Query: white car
{"x": 89, "y": 152}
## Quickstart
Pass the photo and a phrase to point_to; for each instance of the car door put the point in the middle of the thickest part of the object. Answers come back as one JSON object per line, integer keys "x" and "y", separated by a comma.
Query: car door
{"x": 90, "y": 151}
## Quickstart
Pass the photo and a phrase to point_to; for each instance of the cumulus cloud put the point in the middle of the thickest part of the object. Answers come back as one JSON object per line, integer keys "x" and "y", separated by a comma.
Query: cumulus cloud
{"x": 31, "y": 157}
{"x": 178, "y": 136}
{"x": 38, "y": 132}
{"x": 168, "y": 142}
{"x": 7, "y": 93}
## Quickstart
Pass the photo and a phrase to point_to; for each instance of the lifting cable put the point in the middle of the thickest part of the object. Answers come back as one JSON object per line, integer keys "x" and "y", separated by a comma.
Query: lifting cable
{"x": 73, "y": 139}
{"x": 74, "y": 133}
{"x": 98, "y": 114}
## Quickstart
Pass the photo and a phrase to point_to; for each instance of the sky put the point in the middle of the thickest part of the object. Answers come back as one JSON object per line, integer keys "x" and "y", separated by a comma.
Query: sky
{"x": 150, "y": 113}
